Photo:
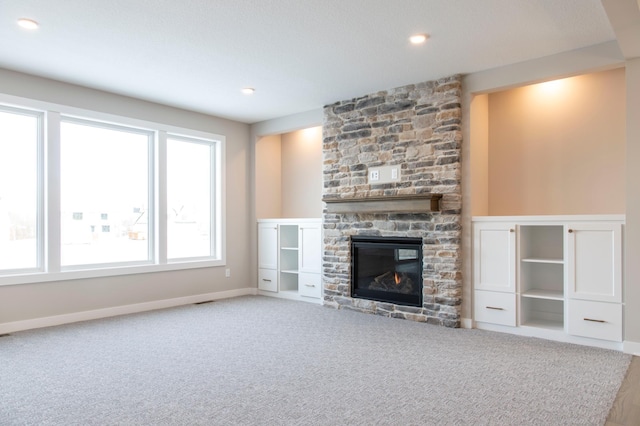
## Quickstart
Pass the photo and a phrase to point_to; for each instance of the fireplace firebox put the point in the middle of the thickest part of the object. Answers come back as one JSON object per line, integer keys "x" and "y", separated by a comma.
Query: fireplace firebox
{"x": 387, "y": 269}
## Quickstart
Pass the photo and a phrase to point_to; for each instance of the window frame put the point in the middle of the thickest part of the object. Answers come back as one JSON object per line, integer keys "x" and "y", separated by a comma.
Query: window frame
{"x": 151, "y": 143}
{"x": 49, "y": 224}
{"x": 214, "y": 203}
{"x": 40, "y": 117}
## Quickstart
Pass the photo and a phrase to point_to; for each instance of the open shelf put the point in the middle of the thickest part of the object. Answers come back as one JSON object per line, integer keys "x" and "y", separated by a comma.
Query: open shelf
{"x": 542, "y": 279}
{"x": 288, "y": 281}
{"x": 288, "y": 236}
{"x": 542, "y": 313}
{"x": 543, "y": 294}
{"x": 542, "y": 242}
{"x": 546, "y": 324}
{"x": 541, "y": 260}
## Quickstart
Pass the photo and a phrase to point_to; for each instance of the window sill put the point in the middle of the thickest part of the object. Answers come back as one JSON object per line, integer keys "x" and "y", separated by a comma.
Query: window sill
{"x": 40, "y": 277}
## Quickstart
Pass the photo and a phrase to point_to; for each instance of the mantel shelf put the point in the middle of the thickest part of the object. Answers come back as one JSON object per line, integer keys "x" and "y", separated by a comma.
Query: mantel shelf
{"x": 412, "y": 203}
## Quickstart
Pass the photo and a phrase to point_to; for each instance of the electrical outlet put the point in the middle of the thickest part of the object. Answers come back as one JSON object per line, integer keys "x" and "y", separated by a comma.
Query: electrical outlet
{"x": 227, "y": 273}
{"x": 374, "y": 175}
{"x": 394, "y": 173}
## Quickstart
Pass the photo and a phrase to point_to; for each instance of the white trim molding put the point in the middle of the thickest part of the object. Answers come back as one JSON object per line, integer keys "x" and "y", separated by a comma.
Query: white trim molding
{"x": 632, "y": 348}
{"x": 11, "y": 327}
{"x": 466, "y": 323}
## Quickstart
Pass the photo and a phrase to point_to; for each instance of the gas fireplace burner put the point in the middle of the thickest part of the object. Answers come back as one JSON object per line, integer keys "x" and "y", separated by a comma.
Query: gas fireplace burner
{"x": 387, "y": 269}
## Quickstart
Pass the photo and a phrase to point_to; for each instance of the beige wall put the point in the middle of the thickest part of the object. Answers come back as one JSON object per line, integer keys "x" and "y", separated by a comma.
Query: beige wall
{"x": 558, "y": 147}
{"x": 31, "y": 301}
{"x": 268, "y": 177}
{"x": 302, "y": 173}
{"x": 288, "y": 173}
{"x": 479, "y": 116}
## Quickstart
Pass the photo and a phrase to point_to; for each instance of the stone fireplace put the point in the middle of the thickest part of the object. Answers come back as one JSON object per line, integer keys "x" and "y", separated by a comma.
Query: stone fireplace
{"x": 415, "y": 129}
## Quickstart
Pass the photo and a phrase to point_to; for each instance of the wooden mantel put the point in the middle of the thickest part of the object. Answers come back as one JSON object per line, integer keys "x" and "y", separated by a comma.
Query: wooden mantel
{"x": 411, "y": 203}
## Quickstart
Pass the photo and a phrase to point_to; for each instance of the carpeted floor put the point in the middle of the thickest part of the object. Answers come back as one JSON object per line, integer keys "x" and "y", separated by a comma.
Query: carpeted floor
{"x": 266, "y": 361}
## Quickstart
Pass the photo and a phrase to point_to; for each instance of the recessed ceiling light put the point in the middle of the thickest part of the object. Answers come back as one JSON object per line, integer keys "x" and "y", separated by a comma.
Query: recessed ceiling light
{"x": 29, "y": 24}
{"x": 418, "y": 38}
{"x": 248, "y": 90}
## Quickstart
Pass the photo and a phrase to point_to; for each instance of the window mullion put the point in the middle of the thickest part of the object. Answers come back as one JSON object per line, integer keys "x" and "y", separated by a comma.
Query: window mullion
{"x": 52, "y": 192}
{"x": 161, "y": 199}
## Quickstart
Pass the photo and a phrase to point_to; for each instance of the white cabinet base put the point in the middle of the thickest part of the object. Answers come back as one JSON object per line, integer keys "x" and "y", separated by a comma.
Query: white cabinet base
{"x": 568, "y": 277}
{"x": 290, "y": 295}
{"x": 290, "y": 259}
{"x": 549, "y": 334}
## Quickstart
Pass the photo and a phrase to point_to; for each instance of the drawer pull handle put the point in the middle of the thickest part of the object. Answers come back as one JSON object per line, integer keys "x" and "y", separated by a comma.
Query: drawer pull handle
{"x": 309, "y": 285}
{"x": 594, "y": 320}
{"x": 494, "y": 308}
{"x": 264, "y": 279}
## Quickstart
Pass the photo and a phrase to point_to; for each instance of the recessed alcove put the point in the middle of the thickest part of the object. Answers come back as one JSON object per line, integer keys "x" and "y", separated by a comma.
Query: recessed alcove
{"x": 556, "y": 147}
{"x": 288, "y": 174}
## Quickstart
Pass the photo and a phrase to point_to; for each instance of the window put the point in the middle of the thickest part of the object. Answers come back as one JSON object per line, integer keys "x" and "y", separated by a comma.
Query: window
{"x": 103, "y": 168}
{"x": 130, "y": 196}
{"x": 20, "y": 141}
{"x": 189, "y": 198}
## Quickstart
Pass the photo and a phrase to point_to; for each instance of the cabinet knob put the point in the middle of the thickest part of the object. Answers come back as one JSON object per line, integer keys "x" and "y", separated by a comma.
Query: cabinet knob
{"x": 570, "y": 231}
{"x": 512, "y": 230}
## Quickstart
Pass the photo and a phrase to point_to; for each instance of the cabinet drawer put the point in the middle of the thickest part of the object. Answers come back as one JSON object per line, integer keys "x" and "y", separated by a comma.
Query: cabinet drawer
{"x": 310, "y": 285}
{"x": 268, "y": 279}
{"x": 598, "y": 320}
{"x": 495, "y": 307}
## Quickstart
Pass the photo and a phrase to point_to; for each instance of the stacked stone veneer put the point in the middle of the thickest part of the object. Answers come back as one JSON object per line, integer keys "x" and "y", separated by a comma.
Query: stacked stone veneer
{"x": 417, "y": 127}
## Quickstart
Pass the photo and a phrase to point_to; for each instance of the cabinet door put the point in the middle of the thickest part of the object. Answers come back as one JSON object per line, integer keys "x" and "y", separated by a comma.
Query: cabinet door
{"x": 494, "y": 256}
{"x": 309, "y": 244}
{"x": 267, "y": 246}
{"x": 594, "y": 264}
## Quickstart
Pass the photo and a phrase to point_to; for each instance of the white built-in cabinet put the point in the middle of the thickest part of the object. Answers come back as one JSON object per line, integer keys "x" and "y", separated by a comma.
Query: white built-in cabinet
{"x": 558, "y": 277}
{"x": 289, "y": 258}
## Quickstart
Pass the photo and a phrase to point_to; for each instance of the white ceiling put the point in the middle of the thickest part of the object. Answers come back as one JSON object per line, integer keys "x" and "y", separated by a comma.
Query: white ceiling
{"x": 298, "y": 54}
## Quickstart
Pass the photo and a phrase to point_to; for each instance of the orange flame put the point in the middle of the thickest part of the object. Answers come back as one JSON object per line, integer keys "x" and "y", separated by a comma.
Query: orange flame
{"x": 397, "y": 278}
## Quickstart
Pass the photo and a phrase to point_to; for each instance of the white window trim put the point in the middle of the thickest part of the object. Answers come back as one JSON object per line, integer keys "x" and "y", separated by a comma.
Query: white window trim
{"x": 50, "y": 220}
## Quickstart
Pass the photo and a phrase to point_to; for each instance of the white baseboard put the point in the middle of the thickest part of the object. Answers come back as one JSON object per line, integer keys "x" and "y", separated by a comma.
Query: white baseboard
{"x": 466, "y": 323}
{"x": 629, "y": 347}
{"x": 11, "y": 327}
